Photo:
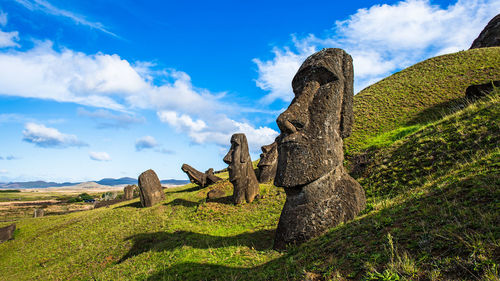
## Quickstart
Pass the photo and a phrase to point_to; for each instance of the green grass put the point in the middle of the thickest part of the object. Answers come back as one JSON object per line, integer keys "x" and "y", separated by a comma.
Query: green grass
{"x": 433, "y": 213}
{"x": 420, "y": 94}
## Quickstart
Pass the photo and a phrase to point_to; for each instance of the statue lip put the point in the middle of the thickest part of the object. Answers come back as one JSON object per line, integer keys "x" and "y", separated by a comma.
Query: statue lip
{"x": 295, "y": 138}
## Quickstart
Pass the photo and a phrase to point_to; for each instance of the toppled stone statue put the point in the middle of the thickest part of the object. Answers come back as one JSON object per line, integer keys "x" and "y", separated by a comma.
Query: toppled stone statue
{"x": 475, "y": 92}
{"x": 128, "y": 192}
{"x": 490, "y": 36}
{"x": 150, "y": 189}
{"x": 7, "y": 232}
{"x": 241, "y": 173}
{"x": 320, "y": 193}
{"x": 268, "y": 162}
{"x": 215, "y": 193}
{"x": 199, "y": 178}
{"x": 38, "y": 213}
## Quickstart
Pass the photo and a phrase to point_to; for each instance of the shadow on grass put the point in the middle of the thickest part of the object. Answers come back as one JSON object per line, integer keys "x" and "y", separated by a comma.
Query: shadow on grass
{"x": 214, "y": 272}
{"x": 182, "y": 202}
{"x": 164, "y": 241}
{"x": 228, "y": 200}
{"x": 438, "y": 111}
{"x": 132, "y": 205}
{"x": 191, "y": 189}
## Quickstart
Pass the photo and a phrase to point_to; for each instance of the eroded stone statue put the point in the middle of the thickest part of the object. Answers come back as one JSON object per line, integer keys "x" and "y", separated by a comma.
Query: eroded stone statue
{"x": 199, "y": 178}
{"x": 320, "y": 193}
{"x": 150, "y": 189}
{"x": 268, "y": 162}
{"x": 7, "y": 232}
{"x": 241, "y": 173}
{"x": 128, "y": 192}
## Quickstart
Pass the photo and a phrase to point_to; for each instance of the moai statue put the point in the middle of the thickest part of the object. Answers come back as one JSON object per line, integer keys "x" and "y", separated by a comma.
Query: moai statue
{"x": 150, "y": 189}
{"x": 320, "y": 193}
{"x": 268, "y": 162}
{"x": 128, "y": 192}
{"x": 7, "y": 232}
{"x": 199, "y": 178}
{"x": 241, "y": 173}
{"x": 38, "y": 213}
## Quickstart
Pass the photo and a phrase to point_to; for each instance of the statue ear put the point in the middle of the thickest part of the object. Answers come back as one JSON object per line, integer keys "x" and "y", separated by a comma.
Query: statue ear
{"x": 346, "y": 113}
{"x": 244, "y": 153}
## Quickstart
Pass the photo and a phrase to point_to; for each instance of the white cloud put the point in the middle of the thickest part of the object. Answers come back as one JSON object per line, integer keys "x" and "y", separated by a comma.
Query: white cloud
{"x": 112, "y": 83}
{"x": 3, "y": 172}
{"x": 7, "y": 39}
{"x": 99, "y": 156}
{"x": 107, "y": 119}
{"x": 181, "y": 122}
{"x": 48, "y": 8}
{"x": 383, "y": 39}
{"x": 219, "y": 131}
{"x": 145, "y": 143}
{"x": 43, "y": 136}
{"x": 3, "y": 18}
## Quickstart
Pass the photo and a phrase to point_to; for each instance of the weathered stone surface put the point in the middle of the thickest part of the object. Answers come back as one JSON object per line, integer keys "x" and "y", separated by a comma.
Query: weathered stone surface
{"x": 241, "y": 173}
{"x": 490, "y": 36}
{"x": 150, "y": 189}
{"x": 320, "y": 193}
{"x": 268, "y": 162}
{"x": 199, "y": 178}
{"x": 7, "y": 232}
{"x": 38, "y": 213}
{"x": 216, "y": 193}
{"x": 474, "y": 92}
{"x": 128, "y": 192}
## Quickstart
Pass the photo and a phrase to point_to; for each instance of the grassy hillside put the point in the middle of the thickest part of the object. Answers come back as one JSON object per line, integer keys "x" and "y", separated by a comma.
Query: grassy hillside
{"x": 420, "y": 93}
{"x": 433, "y": 213}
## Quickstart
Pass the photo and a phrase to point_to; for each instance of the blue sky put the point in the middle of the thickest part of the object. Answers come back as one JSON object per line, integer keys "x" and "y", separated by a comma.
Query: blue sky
{"x": 94, "y": 89}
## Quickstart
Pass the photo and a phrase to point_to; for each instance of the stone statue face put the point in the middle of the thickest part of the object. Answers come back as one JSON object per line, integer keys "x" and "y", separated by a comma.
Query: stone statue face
{"x": 268, "y": 157}
{"x": 310, "y": 143}
{"x": 237, "y": 157}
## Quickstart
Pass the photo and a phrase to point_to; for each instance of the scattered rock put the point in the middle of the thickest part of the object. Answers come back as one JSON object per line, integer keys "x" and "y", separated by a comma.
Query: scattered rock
{"x": 474, "y": 92}
{"x": 490, "y": 36}
{"x": 216, "y": 193}
{"x": 319, "y": 192}
{"x": 241, "y": 173}
{"x": 38, "y": 213}
{"x": 7, "y": 232}
{"x": 128, "y": 192}
{"x": 199, "y": 178}
{"x": 150, "y": 189}
{"x": 268, "y": 162}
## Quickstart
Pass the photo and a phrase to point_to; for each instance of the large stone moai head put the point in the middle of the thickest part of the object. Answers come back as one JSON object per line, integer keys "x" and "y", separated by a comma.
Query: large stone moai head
{"x": 150, "y": 189}
{"x": 194, "y": 175}
{"x": 240, "y": 170}
{"x": 268, "y": 162}
{"x": 320, "y": 115}
{"x": 320, "y": 194}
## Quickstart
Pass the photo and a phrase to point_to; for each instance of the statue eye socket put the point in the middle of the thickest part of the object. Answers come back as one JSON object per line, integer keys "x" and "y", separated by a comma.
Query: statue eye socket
{"x": 297, "y": 124}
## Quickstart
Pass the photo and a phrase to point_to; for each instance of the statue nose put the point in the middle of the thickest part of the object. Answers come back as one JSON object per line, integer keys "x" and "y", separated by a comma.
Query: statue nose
{"x": 228, "y": 159}
{"x": 290, "y": 123}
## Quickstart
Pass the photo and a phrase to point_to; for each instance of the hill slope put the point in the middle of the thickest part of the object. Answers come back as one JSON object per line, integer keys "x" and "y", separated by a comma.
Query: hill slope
{"x": 420, "y": 93}
{"x": 432, "y": 214}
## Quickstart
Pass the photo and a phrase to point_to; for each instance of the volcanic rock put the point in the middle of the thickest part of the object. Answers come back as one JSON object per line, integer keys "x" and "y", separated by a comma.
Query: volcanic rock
{"x": 268, "y": 162}
{"x": 7, "y": 232}
{"x": 241, "y": 173}
{"x": 320, "y": 193}
{"x": 150, "y": 189}
{"x": 490, "y": 36}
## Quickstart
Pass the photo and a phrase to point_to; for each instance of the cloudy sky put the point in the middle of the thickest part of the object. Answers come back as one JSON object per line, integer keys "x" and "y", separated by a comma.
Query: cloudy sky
{"x": 94, "y": 89}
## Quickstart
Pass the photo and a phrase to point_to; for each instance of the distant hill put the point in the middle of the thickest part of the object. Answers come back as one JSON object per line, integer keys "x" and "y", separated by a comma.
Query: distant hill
{"x": 105, "y": 181}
